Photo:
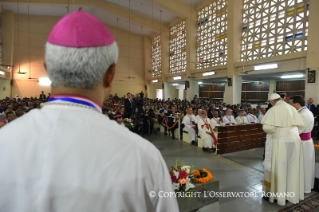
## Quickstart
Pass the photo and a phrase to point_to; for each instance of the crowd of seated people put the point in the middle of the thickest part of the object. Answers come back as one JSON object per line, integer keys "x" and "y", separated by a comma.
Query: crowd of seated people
{"x": 142, "y": 111}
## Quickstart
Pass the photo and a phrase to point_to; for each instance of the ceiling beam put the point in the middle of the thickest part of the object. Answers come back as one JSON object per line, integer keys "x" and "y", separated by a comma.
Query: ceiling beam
{"x": 137, "y": 18}
{"x": 177, "y": 7}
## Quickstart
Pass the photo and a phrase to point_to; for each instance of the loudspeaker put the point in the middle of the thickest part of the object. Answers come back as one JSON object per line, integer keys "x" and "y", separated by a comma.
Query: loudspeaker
{"x": 162, "y": 85}
{"x": 186, "y": 85}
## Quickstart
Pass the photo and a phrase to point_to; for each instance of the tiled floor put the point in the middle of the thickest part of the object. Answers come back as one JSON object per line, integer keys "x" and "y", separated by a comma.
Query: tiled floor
{"x": 241, "y": 171}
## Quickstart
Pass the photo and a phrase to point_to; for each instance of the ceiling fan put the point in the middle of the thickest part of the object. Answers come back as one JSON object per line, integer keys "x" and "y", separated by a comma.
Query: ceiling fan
{"x": 189, "y": 77}
{"x": 246, "y": 72}
{"x": 129, "y": 77}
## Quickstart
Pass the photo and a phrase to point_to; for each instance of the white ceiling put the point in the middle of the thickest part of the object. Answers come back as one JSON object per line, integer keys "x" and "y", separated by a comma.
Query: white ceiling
{"x": 193, "y": 2}
{"x": 102, "y": 15}
{"x": 144, "y": 7}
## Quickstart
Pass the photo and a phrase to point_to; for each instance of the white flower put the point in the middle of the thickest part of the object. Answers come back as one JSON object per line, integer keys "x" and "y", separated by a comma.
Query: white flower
{"x": 186, "y": 169}
{"x": 176, "y": 174}
{"x": 176, "y": 186}
{"x": 189, "y": 185}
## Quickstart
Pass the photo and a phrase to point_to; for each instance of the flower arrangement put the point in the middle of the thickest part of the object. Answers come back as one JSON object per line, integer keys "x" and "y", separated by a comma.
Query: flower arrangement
{"x": 182, "y": 178}
{"x": 128, "y": 122}
{"x": 202, "y": 176}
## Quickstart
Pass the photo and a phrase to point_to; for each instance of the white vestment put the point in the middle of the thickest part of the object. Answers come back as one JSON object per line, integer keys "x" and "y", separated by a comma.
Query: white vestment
{"x": 229, "y": 120}
{"x": 308, "y": 149}
{"x": 72, "y": 158}
{"x": 281, "y": 122}
{"x": 260, "y": 117}
{"x": 187, "y": 121}
{"x": 242, "y": 120}
{"x": 214, "y": 122}
{"x": 252, "y": 118}
{"x": 198, "y": 117}
{"x": 202, "y": 132}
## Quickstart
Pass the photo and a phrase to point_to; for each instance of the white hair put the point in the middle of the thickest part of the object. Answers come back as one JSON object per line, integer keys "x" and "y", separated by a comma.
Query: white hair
{"x": 78, "y": 67}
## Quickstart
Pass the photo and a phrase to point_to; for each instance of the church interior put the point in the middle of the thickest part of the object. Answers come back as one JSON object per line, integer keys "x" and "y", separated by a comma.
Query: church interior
{"x": 222, "y": 51}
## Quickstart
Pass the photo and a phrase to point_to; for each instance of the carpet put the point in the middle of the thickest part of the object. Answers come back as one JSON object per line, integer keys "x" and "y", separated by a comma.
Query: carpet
{"x": 311, "y": 203}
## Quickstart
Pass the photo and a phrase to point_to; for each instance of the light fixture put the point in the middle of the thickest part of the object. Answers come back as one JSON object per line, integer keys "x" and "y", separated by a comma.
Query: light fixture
{"x": 267, "y": 66}
{"x": 175, "y": 84}
{"x": 8, "y": 67}
{"x": 2, "y": 73}
{"x": 154, "y": 80}
{"x": 45, "y": 81}
{"x": 177, "y": 78}
{"x": 199, "y": 83}
{"x": 292, "y": 76}
{"x": 209, "y": 73}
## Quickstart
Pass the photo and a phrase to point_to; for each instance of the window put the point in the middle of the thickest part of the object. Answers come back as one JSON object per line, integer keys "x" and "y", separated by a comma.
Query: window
{"x": 156, "y": 57}
{"x": 177, "y": 48}
{"x": 274, "y": 27}
{"x": 212, "y": 35}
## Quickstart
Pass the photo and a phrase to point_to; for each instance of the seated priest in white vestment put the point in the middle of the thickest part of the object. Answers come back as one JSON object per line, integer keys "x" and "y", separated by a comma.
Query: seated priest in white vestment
{"x": 251, "y": 117}
{"x": 286, "y": 172}
{"x": 241, "y": 118}
{"x": 190, "y": 122}
{"x": 199, "y": 116}
{"x": 262, "y": 114}
{"x": 215, "y": 121}
{"x": 305, "y": 134}
{"x": 71, "y": 157}
{"x": 205, "y": 132}
{"x": 228, "y": 119}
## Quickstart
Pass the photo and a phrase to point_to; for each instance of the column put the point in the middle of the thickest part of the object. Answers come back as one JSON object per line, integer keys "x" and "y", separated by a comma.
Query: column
{"x": 272, "y": 86}
{"x": 233, "y": 92}
{"x": 313, "y": 51}
{"x": 7, "y": 35}
{"x": 192, "y": 90}
{"x": 167, "y": 90}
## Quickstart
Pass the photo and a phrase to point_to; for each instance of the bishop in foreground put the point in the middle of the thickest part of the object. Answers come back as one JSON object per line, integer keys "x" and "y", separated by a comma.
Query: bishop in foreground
{"x": 75, "y": 158}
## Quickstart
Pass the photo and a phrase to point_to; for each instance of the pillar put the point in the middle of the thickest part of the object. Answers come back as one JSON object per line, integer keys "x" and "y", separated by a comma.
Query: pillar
{"x": 7, "y": 35}
{"x": 272, "y": 87}
{"x": 313, "y": 51}
{"x": 234, "y": 19}
{"x": 167, "y": 90}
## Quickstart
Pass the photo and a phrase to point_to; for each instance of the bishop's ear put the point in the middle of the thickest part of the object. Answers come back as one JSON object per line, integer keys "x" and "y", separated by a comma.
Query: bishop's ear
{"x": 109, "y": 76}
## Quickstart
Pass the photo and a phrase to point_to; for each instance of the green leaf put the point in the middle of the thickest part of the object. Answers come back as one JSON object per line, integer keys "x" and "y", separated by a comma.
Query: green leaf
{"x": 176, "y": 162}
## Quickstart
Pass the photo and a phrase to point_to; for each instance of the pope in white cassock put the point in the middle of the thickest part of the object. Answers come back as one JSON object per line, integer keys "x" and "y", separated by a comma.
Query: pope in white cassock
{"x": 285, "y": 173}
{"x": 205, "y": 132}
{"x": 305, "y": 134}
{"x": 228, "y": 119}
{"x": 67, "y": 156}
{"x": 241, "y": 118}
{"x": 190, "y": 122}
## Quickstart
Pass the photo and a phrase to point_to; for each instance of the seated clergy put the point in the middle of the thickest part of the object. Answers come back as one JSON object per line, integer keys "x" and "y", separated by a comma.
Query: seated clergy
{"x": 241, "y": 118}
{"x": 205, "y": 132}
{"x": 215, "y": 121}
{"x": 251, "y": 117}
{"x": 262, "y": 114}
{"x": 228, "y": 119}
{"x": 190, "y": 122}
{"x": 199, "y": 116}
